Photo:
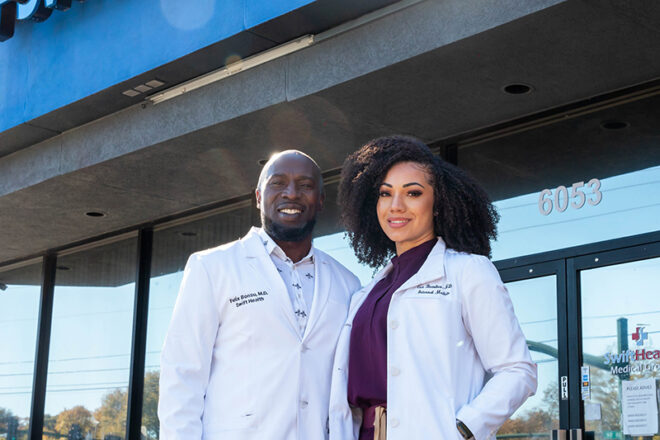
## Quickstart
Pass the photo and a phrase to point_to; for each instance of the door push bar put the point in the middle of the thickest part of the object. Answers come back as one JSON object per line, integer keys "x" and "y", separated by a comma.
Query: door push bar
{"x": 571, "y": 434}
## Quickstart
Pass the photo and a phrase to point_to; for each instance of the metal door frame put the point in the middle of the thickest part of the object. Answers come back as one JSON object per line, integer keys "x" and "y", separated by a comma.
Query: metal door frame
{"x": 537, "y": 270}
{"x": 566, "y": 265}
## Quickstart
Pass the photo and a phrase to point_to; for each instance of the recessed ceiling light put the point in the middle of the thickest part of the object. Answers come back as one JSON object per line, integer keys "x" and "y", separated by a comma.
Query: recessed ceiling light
{"x": 154, "y": 83}
{"x": 142, "y": 88}
{"x": 188, "y": 234}
{"x": 130, "y": 93}
{"x": 517, "y": 89}
{"x": 614, "y": 125}
{"x": 95, "y": 214}
{"x": 63, "y": 268}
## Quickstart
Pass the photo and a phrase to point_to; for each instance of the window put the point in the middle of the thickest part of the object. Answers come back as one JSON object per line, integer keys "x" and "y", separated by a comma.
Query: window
{"x": 90, "y": 352}
{"x": 20, "y": 291}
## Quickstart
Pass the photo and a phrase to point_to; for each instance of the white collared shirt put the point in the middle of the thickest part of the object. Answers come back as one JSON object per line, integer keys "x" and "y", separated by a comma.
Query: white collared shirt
{"x": 298, "y": 278}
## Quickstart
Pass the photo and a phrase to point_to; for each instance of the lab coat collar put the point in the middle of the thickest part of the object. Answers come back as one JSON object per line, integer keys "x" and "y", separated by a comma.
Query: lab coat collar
{"x": 262, "y": 265}
{"x": 274, "y": 248}
{"x": 259, "y": 257}
{"x": 432, "y": 269}
{"x": 253, "y": 245}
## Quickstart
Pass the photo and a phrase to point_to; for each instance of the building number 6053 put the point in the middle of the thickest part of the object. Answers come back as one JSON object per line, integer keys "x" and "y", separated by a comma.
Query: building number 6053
{"x": 577, "y": 197}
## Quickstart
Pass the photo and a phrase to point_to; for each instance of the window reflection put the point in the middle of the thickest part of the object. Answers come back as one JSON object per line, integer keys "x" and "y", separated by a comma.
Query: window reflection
{"x": 20, "y": 290}
{"x": 535, "y": 303}
{"x": 89, "y": 361}
{"x": 620, "y": 315}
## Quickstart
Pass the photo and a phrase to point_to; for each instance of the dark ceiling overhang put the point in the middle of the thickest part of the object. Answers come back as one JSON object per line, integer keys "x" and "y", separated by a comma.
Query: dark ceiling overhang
{"x": 140, "y": 165}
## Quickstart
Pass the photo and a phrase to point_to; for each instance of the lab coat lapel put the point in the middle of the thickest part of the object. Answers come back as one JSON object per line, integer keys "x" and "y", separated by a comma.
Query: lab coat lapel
{"x": 262, "y": 266}
{"x": 361, "y": 295}
{"x": 432, "y": 269}
{"x": 322, "y": 290}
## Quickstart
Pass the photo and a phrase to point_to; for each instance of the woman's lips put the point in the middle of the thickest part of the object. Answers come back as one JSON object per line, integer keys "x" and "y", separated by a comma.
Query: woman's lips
{"x": 398, "y": 222}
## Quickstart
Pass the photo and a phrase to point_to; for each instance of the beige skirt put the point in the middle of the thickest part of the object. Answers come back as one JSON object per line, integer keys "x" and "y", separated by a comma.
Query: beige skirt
{"x": 380, "y": 423}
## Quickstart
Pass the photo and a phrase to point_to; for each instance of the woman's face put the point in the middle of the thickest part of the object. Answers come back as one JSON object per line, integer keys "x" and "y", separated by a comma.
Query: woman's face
{"x": 405, "y": 206}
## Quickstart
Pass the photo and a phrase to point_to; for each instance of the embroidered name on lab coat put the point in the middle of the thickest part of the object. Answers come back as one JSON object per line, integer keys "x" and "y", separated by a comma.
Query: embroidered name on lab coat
{"x": 434, "y": 289}
{"x": 248, "y": 298}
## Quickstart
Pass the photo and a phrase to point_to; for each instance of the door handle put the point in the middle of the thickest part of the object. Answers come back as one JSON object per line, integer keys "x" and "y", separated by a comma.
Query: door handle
{"x": 559, "y": 434}
{"x": 581, "y": 434}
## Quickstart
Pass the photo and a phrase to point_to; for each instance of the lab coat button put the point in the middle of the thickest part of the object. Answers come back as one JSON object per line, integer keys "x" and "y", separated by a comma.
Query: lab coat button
{"x": 394, "y": 423}
{"x": 394, "y": 371}
{"x": 303, "y": 404}
{"x": 394, "y": 324}
{"x": 303, "y": 348}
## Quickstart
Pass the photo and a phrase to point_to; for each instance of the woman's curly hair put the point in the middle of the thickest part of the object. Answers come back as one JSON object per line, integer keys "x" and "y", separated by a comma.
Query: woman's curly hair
{"x": 466, "y": 219}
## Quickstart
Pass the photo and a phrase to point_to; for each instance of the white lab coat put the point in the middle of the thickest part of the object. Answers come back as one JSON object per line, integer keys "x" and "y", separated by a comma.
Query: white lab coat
{"x": 233, "y": 366}
{"x": 454, "y": 351}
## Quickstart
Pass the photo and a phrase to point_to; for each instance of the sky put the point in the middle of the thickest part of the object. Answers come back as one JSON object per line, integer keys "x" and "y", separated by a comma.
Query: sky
{"x": 90, "y": 341}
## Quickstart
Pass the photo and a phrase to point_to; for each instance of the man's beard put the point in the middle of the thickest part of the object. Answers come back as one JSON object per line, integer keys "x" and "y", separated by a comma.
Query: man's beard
{"x": 283, "y": 233}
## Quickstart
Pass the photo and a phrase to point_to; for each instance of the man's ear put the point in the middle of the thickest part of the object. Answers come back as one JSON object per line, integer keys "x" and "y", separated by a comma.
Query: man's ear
{"x": 257, "y": 195}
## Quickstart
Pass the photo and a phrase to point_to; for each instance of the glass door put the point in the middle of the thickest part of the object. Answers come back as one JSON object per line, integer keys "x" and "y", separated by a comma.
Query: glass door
{"x": 619, "y": 294}
{"x": 538, "y": 293}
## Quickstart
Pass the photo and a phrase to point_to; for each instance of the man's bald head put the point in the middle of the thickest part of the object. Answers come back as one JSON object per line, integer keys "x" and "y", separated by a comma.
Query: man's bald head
{"x": 296, "y": 154}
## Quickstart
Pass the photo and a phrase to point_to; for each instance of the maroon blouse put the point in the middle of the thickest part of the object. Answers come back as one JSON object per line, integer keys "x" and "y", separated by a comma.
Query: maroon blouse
{"x": 367, "y": 364}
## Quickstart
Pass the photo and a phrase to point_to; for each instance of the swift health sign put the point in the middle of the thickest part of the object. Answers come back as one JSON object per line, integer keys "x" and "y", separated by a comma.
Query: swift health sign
{"x": 36, "y": 10}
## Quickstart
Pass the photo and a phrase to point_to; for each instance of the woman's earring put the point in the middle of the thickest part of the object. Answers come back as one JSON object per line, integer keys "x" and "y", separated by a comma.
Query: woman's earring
{"x": 435, "y": 213}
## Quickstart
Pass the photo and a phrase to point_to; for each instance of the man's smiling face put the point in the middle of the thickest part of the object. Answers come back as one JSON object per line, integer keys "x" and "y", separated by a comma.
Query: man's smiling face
{"x": 290, "y": 195}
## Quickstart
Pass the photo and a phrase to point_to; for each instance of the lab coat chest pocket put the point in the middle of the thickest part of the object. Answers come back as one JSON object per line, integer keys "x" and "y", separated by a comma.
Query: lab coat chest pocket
{"x": 249, "y": 307}
{"x": 434, "y": 308}
{"x": 433, "y": 301}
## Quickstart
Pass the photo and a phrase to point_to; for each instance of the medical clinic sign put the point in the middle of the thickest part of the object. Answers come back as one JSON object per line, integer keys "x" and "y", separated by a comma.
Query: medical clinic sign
{"x": 36, "y": 10}
{"x": 639, "y": 360}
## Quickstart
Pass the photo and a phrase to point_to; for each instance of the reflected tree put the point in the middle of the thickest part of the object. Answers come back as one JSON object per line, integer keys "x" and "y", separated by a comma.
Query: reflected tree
{"x": 49, "y": 427}
{"x": 111, "y": 415}
{"x": 5, "y": 415}
{"x": 536, "y": 421}
{"x": 150, "y": 407}
{"x": 49, "y": 422}
{"x": 78, "y": 415}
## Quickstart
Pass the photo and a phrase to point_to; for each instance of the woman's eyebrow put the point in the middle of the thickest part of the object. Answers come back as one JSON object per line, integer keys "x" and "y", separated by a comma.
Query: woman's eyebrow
{"x": 412, "y": 183}
{"x": 386, "y": 184}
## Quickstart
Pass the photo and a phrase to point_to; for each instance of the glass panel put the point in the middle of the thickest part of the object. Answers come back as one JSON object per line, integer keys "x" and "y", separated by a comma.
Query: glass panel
{"x": 337, "y": 246}
{"x": 89, "y": 364}
{"x": 620, "y": 327}
{"x": 172, "y": 247}
{"x": 535, "y": 303}
{"x": 20, "y": 290}
{"x": 630, "y": 205}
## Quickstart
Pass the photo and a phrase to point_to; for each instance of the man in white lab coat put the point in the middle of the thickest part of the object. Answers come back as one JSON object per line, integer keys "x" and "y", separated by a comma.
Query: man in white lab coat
{"x": 249, "y": 351}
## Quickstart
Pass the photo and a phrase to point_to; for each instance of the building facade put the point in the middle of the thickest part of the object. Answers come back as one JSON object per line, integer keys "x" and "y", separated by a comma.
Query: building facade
{"x": 132, "y": 134}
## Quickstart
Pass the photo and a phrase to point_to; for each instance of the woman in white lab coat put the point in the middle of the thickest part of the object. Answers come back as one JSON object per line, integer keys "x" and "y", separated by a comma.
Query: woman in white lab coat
{"x": 432, "y": 348}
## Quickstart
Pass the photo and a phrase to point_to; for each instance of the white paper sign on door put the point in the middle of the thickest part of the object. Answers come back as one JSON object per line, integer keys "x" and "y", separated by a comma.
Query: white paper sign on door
{"x": 640, "y": 407}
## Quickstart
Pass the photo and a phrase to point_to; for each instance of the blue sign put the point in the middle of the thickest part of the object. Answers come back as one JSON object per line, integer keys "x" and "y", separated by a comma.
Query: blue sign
{"x": 95, "y": 45}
